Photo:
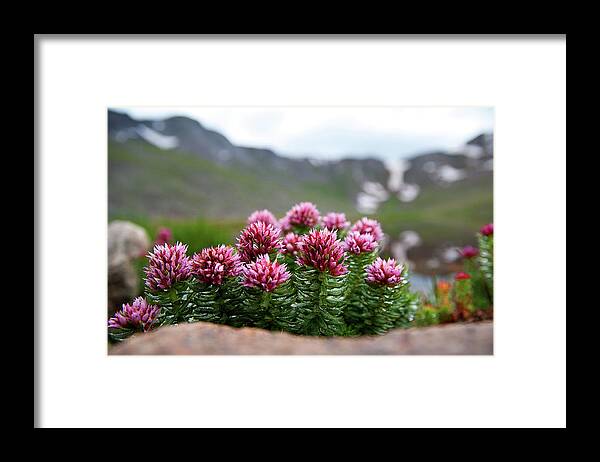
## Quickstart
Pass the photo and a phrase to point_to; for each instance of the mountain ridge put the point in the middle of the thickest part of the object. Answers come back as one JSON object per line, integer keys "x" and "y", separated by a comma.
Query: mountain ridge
{"x": 353, "y": 185}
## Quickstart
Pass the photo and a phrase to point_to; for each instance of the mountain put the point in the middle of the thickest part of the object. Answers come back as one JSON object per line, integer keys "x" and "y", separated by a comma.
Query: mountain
{"x": 440, "y": 168}
{"x": 176, "y": 167}
{"x": 180, "y": 168}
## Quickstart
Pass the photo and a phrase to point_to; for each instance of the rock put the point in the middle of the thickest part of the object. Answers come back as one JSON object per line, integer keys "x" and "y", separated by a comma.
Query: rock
{"x": 211, "y": 339}
{"x": 126, "y": 243}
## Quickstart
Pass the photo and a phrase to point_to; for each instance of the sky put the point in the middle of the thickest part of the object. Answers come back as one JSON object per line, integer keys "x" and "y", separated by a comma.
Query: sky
{"x": 335, "y": 132}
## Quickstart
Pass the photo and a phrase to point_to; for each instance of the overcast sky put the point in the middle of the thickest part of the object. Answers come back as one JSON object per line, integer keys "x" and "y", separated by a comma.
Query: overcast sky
{"x": 333, "y": 132}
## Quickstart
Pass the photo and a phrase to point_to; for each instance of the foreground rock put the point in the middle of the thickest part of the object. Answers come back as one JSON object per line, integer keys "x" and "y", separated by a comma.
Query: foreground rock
{"x": 126, "y": 242}
{"x": 211, "y": 339}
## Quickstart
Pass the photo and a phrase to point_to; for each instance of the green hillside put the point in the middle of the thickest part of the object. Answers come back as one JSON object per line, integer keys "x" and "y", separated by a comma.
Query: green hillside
{"x": 147, "y": 181}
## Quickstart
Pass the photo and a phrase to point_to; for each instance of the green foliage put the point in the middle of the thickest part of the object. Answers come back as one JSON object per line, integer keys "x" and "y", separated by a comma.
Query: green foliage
{"x": 378, "y": 311}
{"x": 319, "y": 303}
{"x": 426, "y": 316}
{"x": 207, "y": 304}
{"x": 175, "y": 303}
{"x": 382, "y": 308}
{"x": 116, "y": 335}
{"x": 481, "y": 296}
{"x": 486, "y": 262}
{"x": 355, "y": 285}
{"x": 467, "y": 299}
{"x": 445, "y": 314}
{"x": 410, "y": 302}
{"x": 463, "y": 294}
{"x": 220, "y": 304}
{"x": 270, "y": 310}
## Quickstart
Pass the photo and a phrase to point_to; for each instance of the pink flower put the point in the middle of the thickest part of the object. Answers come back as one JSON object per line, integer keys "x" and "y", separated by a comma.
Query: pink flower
{"x": 366, "y": 225}
{"x": 138, "y": 315}
{"x": 384, "y": 272}
{"x": 333, "y": 221}
{"x": 461, "y": 276}
{"x": 257, "y": 239}
{"x": 284, "y": 225}
{"x": 487, "y": 230}
{"x": 321, "y": 249}
{"x": 291, "y": 244}
{"x": 265, "y": 216}
{"x": 265, "y": 274}
{"x": 469, "y": 252}
{"x": 167, "y": 264}
{"x": 359, "y": 243}
{"x": 214, "y": 264}
{"x": 304, "y": 214}
{"x": 163, "y": 236}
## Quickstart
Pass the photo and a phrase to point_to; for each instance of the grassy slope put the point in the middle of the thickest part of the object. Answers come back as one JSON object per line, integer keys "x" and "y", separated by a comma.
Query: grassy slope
{"x": 179, "y": 184}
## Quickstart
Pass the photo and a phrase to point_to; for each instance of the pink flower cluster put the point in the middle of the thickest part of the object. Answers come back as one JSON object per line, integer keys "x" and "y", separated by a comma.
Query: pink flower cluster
{"x": 368, "y": 226}
{"x": 214, "y": 264}
{"x": 167, "y": 264}
{"x": 469, "y": 252}
{"x": 265, "y": 274}
{"x": 265, "y": 216}
{"x": 304, "y": 214}
{"x": 487, "y": 230}
{"x": 322, "y": 250}
{"x": 357, "y": 243}
{"x": 335, "y": 221}
{"x": 163, "y": 236}
{"x": 137, "y": 315}
{"x": 291, "y": 244}
{"x": 257, "y": 239}
{"x": 384, "y": 272}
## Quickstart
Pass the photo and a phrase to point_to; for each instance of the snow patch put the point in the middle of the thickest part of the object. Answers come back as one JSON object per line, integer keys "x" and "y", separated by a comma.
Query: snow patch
{"x": 368, "y": 200}
{"x": 473, "y": 151}
{"x": 365, "y": 203}
{"x": 155, "y": 138}
{"x": 408, "y": 192}
{"x": 449, "y": 174}
{"x": 396, "y": 169}
{"x": 404, "y": 191}
{"x": 375, "y": 189}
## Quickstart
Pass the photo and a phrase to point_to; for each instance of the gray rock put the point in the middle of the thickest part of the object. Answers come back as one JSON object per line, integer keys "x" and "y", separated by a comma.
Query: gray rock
{"x": 211, "y": 339}
{"x": 126, "y": 242}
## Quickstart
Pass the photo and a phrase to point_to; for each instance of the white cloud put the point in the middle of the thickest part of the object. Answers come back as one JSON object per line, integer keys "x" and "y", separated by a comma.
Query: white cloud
{"x": 330, "y": 132}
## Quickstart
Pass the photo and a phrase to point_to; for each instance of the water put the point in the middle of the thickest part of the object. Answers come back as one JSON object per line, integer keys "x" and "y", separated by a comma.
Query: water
{"x": 421, "y": 283}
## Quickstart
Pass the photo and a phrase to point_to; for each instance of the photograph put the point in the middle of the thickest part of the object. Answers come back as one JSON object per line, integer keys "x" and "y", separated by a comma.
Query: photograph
{"x": 300, "y": 230}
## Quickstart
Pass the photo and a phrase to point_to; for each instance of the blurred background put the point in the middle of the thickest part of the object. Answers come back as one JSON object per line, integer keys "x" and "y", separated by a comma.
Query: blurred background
{"x": 425, "y": 173}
